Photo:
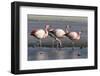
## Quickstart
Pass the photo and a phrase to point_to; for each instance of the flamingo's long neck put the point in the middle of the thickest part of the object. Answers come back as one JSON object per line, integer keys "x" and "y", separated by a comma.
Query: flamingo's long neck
{"x": 66, "y": 30}
{"x": 46, "y": 32}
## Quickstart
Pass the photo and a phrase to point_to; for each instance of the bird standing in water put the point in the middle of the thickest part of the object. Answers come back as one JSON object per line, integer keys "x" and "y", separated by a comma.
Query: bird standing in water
{"x": 40, "y": 33}
{"x": 57, "y": 34}
{"x": 74, "y": 36}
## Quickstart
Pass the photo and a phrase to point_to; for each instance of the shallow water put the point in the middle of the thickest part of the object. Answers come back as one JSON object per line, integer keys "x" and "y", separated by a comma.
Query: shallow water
{"x": 56, "y": 53}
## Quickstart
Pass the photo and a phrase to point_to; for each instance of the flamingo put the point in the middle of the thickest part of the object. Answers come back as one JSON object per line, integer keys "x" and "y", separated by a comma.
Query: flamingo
{"x": 57, "y": 34}
{"x": 74, "y": 36}
{"x": 40, "y": 33}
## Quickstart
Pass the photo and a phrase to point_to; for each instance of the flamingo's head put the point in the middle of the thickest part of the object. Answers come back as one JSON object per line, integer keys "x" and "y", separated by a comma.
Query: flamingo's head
{"x": 67, "y": 28}
{"x": 48, "y": 27}
{"x": 79, "y": 33}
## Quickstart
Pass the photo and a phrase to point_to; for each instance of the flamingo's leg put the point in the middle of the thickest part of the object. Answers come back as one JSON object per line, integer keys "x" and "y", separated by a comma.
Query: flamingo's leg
{"x": 79, "y": 53}
{"x": 57, "y": 44}
{"x": 53, "y": 43}
{"x": 60, "y": 43}
{"x": 73, "y": 45}
{"x": 40, "y": 42}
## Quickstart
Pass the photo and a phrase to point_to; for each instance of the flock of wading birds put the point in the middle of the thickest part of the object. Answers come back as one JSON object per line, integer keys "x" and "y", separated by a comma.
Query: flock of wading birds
{"x": 56, "y": 34}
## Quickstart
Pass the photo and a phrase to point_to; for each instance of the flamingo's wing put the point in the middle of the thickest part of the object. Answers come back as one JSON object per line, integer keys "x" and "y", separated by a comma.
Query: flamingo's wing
{"x": 59, "y": 33}
{"x": 33, "y": 32}
{"x": 51, "y": 33}
{"x": 40, "y": 33}
{"x": 72, "y": 35}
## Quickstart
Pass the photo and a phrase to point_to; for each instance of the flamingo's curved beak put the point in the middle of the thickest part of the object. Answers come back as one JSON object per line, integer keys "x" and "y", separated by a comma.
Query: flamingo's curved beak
{"x": 50, "y": 29}
{"x": 80, "y": 32}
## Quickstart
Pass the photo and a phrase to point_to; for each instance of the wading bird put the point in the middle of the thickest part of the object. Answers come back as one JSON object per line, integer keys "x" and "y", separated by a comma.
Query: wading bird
{"x": 40, "y": 34}
{"x": 57, "y": 34}
{"x": 74, "y": 36}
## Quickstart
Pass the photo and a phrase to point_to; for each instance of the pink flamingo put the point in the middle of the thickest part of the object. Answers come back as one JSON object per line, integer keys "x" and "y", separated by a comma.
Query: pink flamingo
{"x": 74, "y": 36}
{"x": 40, "y": 33}
{"x": 57, "y": 34}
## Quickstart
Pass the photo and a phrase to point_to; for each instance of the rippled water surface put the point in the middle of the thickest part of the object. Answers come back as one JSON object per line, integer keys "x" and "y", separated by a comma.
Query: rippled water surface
{"x": 54, "y": 53}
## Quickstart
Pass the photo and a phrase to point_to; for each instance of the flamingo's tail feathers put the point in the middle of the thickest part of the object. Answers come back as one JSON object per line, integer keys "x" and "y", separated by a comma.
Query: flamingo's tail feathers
{"x": 33, "y": 32}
